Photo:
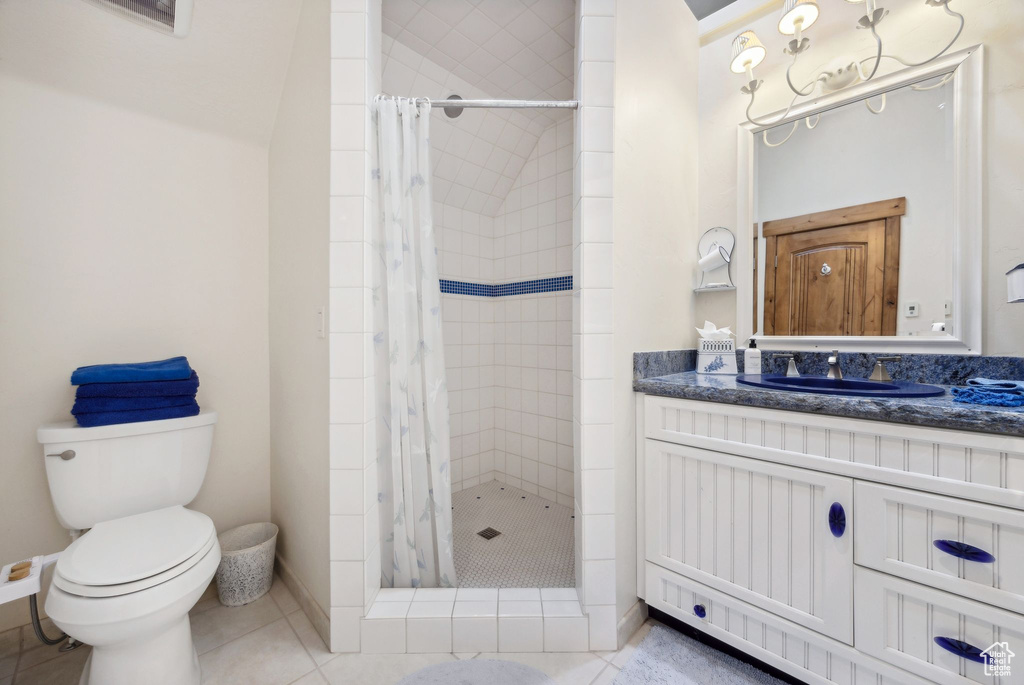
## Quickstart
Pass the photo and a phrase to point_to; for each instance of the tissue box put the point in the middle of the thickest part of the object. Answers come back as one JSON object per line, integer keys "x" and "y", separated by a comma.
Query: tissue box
{"x": 716, "y": 356}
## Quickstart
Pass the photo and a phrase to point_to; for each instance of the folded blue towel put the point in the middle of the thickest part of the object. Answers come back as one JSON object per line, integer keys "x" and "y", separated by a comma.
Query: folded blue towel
{"x": 90, "y": 405}
{"x": 106, "y": 418}
{"x": 1001, "y": 398}
{"x": 173, "y": 369}
{"x": 993, "y": 385}
{"x": 189, "y": 386}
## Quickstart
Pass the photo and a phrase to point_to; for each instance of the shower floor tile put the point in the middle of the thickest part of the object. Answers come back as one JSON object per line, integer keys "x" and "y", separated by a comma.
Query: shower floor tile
{"x": 535, "y": 547}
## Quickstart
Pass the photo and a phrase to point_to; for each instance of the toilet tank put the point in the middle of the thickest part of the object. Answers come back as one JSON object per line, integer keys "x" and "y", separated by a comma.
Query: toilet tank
{"x": 125, "y": 469}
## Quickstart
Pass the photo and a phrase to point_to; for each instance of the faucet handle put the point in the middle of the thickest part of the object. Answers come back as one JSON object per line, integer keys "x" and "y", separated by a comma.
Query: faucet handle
{"x": 881, "y": 372}
{"x": 791, "y": 369}
{"x": 834, "y": 371}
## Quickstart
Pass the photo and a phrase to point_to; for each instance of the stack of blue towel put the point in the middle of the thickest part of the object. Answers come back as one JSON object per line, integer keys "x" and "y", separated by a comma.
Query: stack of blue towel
{"x": 126, "y": 393}
{"x": 991, "y": 392}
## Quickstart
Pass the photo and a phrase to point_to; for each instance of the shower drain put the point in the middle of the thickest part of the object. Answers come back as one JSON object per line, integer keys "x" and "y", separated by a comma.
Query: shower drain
{"x": 488, "y": 533}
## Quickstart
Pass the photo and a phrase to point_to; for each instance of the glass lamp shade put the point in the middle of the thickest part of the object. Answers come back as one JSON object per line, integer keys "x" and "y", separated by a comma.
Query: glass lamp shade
{"x": 746, "y": 48}
{"x": 797, "y": 12}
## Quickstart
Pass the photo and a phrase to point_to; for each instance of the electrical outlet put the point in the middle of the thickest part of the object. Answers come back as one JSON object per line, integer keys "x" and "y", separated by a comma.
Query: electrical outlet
{"x": 321, "y": 322}
{"x": 911, "y": 309}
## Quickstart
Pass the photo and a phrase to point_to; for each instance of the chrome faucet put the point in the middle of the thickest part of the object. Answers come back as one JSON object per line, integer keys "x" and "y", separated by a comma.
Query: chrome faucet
{"x": 834, "y": 371}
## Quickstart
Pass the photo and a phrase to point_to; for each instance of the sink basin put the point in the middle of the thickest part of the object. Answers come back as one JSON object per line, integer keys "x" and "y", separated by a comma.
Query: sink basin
{"x": 829, "y": 386}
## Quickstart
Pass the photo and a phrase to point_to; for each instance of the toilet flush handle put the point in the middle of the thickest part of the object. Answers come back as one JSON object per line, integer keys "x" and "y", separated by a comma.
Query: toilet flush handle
{"x": 65, "y": 455}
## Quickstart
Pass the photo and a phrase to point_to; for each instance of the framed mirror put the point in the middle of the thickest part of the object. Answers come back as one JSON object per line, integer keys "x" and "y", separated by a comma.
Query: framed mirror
{"x": 860, "y": 216}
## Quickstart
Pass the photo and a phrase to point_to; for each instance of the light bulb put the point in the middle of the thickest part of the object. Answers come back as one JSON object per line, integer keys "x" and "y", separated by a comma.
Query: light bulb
{"x": 747, "y": 53}
{"x": 797, "y": 16}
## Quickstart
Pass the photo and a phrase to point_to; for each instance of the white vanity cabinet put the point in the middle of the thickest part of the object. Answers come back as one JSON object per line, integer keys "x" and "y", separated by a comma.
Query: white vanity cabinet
{"x": 838, "y": 550}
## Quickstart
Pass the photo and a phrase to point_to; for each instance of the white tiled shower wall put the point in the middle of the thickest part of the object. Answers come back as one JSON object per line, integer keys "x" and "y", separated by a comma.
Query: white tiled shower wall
{"x": 355, "y": 36}
{"x": 465, "y": 246}
{"x": 502, "y": 187}
{"x": 533, "y": 354}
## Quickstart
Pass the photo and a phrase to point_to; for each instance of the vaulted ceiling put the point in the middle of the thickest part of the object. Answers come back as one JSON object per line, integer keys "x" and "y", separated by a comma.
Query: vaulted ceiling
{"x": 516, "y": 49}
{"x": 506, "y": 49}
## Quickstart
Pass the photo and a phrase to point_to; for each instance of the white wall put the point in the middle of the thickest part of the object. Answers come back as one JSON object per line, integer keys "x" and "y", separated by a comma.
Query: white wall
{"x": 913, "y": 30}
{"x": 655, "y": 215}
{"x": 126, "y": 237}
{"x": 299, "y": 167}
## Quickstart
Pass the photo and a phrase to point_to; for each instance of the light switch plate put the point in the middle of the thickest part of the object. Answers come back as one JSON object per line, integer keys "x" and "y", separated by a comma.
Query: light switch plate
{"x": 911, "y": 309}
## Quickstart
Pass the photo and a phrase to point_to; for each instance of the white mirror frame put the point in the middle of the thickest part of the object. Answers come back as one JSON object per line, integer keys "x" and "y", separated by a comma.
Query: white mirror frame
{"x": 968, "y": 95}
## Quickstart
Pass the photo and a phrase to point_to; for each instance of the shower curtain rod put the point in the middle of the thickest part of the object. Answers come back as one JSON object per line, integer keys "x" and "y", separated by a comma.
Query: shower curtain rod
{"x": 506, "y": 104}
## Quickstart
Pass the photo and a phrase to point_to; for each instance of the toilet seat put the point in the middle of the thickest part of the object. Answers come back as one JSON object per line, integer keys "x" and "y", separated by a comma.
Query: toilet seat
{"x": 135, "y": 552}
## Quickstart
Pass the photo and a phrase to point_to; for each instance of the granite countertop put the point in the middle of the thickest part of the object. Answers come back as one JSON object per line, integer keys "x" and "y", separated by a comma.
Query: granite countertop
{"x": 937, "y": 412}
{"x": 673, "y": 381}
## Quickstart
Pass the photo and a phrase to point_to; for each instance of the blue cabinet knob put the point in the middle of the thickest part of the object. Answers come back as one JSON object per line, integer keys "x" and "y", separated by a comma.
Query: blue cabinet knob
{"x": 962, "y": 649}
{"x": 962, "y": 550}
{"x": 700, "y": 611}
{"x": 837, "y": 519}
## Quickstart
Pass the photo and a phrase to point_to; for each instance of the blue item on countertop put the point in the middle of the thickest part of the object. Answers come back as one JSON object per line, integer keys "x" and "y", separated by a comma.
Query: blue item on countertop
{"x": 107, "y": 418}
{"x": 91, "y": 405}
{"x": 993, "y": 385}
{"x": 189, "y": 386}
{"x": 997, "y": 398}
{"x": 173, "y": 369}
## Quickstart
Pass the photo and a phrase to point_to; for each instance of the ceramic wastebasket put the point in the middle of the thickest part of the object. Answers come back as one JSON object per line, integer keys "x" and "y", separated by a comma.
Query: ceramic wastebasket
{"x": 246, "y": 569}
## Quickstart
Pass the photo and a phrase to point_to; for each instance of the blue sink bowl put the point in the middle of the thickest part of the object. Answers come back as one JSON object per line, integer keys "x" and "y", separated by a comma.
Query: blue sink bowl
{"x": 830, "y": 386}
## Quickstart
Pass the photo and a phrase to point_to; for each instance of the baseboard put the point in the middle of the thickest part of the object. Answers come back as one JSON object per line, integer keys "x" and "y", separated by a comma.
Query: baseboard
{"x": 631, "y": 622}
{"x": 321, "y": 622}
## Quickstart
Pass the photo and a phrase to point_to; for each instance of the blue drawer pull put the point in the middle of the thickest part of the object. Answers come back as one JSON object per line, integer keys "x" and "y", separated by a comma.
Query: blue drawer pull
{"x": 964, "y": 551}
{"x": 837, "y": 519}
{"x": 961, "y": 649}
{"x": 700, "y": 611}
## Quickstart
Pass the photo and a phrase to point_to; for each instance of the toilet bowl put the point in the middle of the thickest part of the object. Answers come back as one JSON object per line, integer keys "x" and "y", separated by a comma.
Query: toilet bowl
{"x": 125, "y": 586}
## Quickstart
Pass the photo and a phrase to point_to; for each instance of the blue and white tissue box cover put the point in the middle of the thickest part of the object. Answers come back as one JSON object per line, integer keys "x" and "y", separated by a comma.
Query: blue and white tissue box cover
{"x": 716, "y": 351}
{"x": 717, "y": 362}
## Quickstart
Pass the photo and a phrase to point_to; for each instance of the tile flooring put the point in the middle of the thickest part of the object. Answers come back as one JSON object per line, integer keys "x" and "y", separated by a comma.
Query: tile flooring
{"x": 535, "y": 548}
{"x": 271, "y": 642}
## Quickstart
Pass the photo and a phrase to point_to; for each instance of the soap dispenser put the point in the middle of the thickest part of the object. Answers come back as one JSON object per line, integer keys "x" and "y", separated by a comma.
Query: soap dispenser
{"x": 752, "y": 358}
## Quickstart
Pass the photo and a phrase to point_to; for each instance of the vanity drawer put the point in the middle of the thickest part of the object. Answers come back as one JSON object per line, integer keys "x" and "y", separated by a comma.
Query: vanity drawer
{"x": 809, "y": 656}
{"x": 904, "y": 623}
{"x": 974, "y": 550}
{"x": 774, "y": 536}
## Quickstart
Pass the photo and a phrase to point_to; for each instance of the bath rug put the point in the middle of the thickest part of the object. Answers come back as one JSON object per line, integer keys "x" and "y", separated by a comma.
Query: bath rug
{"x": 477, "y": 672}
{"x": 667, "y": 657}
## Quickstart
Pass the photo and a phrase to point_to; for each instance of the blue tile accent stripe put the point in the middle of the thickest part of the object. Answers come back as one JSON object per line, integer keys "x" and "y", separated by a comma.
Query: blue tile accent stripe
{"x": 541, "y": 285}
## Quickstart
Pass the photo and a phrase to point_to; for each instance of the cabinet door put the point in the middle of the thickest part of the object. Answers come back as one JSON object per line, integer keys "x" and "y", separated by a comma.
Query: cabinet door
{"x": 770, "y": 535}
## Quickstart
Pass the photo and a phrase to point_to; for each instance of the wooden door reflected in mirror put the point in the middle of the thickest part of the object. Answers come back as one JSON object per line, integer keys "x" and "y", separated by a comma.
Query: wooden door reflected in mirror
{"x": 833, "y": 273}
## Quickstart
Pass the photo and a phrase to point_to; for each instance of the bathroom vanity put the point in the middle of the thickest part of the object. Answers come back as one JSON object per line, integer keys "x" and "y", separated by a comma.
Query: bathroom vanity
{"x": 837, "y": 548}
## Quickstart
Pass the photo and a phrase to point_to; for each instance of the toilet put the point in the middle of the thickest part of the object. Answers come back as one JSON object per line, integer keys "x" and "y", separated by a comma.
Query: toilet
{"x": 125, "y": 586}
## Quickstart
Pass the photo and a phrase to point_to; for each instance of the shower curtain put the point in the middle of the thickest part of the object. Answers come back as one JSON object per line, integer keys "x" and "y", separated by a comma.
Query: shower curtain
{"x": 415, "y": 495}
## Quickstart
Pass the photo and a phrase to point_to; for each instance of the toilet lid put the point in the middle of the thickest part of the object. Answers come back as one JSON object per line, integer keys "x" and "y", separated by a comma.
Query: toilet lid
{"x": 136, "y": 547}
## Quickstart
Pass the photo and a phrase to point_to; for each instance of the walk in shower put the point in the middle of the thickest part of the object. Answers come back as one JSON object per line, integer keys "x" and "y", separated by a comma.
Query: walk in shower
{"x": 502, "y": 208}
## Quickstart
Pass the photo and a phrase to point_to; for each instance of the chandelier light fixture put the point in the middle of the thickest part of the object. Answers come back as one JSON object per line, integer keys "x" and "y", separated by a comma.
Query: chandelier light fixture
{"x": 797, "y": 17}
